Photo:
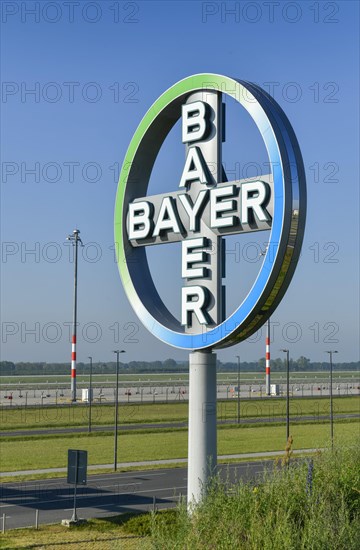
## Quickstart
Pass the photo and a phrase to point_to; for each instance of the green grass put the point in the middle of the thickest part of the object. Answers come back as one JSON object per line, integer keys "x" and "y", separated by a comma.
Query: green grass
{"x": 69, "y": 415}
{"x": 284, "y": 510}
{"x": 51, "y": 451}
{"x": 113, "y": 533}
{"x": 287, "y": 508}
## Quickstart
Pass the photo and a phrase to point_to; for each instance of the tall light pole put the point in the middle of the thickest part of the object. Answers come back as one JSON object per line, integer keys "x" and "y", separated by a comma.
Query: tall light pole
{"x": 75, "y": 240}
{"x": 331, "y": 399}
{"x": 90, "y": 394}
{"x": 238, "y": 395}
{"x": 287, "y": 393}
{"x": 267, "y": 344}
{"x": 267, "y": 358}
{"x": 117, "y": 351}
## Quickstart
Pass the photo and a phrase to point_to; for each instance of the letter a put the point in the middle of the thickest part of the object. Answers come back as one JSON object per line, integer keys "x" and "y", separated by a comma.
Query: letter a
{"x": 195, "y": 169}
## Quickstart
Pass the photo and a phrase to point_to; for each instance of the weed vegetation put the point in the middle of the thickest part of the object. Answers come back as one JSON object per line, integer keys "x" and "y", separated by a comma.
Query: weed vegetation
{"x": 312, "y": 504}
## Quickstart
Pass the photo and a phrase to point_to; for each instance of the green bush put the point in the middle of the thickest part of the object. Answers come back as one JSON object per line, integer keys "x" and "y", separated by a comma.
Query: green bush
{"x": 290, "y": 508}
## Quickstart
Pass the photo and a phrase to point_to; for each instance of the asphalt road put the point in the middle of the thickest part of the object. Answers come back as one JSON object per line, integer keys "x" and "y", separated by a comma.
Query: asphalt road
{"x": 105, "y": 494}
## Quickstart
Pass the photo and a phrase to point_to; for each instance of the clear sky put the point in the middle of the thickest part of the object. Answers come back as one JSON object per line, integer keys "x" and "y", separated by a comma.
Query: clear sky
{"x": 77, "y": 77}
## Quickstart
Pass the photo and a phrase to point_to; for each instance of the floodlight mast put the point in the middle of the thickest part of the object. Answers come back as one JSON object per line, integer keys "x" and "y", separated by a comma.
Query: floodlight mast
{"x": 75, "y": 240}
{"x": 267, "y": 345}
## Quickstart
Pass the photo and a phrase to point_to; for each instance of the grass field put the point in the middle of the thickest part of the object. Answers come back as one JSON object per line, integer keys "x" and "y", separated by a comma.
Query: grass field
{"x": 19, "y": 453}
{"x": 102, "y": 415}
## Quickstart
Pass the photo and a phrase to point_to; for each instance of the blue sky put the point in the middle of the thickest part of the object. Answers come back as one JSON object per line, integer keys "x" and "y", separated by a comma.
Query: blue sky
{"x": 96, "y": 67}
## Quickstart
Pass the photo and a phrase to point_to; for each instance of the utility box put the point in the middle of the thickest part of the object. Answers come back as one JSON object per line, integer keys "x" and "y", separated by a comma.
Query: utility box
{"x": 87, "y": 395}
{"x": 274, "y": 389}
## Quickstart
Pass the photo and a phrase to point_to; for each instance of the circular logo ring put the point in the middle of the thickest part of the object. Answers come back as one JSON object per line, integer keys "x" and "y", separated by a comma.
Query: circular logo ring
{"x": 289, "y": 190}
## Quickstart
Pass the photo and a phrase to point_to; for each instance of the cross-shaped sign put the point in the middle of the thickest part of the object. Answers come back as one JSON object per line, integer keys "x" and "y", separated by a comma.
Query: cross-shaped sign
{"x": 205, "y": 209}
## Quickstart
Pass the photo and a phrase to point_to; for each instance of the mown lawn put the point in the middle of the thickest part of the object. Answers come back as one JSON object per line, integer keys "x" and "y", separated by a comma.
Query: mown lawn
{"x": 34, "y": 452}
{"x": 102, "y": 415}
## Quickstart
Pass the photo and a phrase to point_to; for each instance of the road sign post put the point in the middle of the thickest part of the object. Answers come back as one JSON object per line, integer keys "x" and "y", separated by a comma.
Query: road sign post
{"x": 76, "y": 473}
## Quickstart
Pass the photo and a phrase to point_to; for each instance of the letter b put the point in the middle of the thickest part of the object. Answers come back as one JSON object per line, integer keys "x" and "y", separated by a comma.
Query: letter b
{"x": 195, "y": 121}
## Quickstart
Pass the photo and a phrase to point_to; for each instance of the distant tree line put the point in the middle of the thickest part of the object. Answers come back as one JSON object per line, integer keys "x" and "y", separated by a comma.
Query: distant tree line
{"x": 302, "y": 364}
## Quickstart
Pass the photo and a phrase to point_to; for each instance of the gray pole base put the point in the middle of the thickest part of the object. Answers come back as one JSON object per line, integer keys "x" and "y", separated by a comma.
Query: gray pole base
{"x": 72, "y": 522}
{"x": 202, "y": 453}
{"x": 267, "y": 384}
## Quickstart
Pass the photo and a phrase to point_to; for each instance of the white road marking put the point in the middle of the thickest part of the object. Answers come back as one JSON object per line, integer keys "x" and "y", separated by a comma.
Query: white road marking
{"x": 95, "y": 480}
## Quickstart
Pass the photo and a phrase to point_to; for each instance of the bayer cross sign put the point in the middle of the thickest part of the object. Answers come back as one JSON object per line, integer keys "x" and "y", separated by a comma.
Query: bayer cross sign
{"x": 204, "y": 209}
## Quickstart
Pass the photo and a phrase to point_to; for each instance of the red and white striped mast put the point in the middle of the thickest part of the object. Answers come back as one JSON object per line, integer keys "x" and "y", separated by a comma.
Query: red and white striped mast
{"x": 267, "y": 346}
{"x": 75, "y": 239}
{"x": 267, "y": 358}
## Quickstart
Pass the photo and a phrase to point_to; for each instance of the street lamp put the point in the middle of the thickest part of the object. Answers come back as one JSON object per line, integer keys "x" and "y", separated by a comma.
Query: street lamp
{"x": 117, "y": 351}
{"x": 75, "y": 240}
{"x": 90, "y": 394}
{"x": 331, "y": 400}
{"x": 238, "y": 396}
{"x": 287, "y": 393}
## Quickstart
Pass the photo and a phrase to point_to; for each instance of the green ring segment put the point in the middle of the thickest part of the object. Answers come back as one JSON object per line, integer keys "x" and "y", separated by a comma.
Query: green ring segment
{"x": 287, "y": 227}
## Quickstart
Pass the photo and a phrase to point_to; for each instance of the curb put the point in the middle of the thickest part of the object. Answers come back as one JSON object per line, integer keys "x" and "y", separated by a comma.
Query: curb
{"x": 265, "y": 454}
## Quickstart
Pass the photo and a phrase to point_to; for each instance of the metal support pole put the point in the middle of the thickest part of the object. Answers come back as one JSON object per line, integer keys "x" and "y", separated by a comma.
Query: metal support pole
{"x": 202, "y": 451}
{"x": 76, "y": 239}
{"x": 116, "y": 411}
{"x": 331, "y": 399}
{"x": 116, "y": 407}
{"x": 287, "y": 393}
{"x": 238, "y": 395}
{"x": 267, "y": 358}
{"x": 90, "y": 395}
{"x": 74, "y": 516}
{"x": 73, "y": 350}
{"x": 331, "y": 406}
{"x": 287, "y": 396}
{"x": 36, "y": 519}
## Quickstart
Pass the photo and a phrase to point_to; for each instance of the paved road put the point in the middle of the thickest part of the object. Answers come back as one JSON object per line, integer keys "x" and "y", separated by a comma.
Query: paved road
{"x": 167, "y": 425}
{"x": 105, "y": 494}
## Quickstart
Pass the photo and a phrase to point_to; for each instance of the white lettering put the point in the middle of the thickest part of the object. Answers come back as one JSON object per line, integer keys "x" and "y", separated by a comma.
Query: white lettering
{"x": 193, "y": 210}
{"x": 194, "y": 122}
{"x": 139, "y": 220}
{"x": 218, "y": 206}
{"x": 252, "y": 202}
{"x": 195, "y": 169}
{"x": 168, "y": 219}
{"x": 190, "y": 306}
{"x": 189, "y": 258}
